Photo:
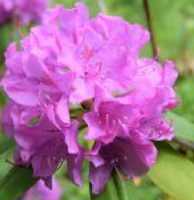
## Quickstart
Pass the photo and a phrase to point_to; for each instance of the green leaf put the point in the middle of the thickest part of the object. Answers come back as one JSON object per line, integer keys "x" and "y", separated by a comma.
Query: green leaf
{"x": 16, "y": 183}
{"x": 6, "y": 144}
{"x": 174, "y": 174}
{"x": 183, "y": 128}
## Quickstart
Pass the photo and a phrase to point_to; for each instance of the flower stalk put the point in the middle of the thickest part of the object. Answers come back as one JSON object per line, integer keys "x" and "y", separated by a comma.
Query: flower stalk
{"x": 150, "y": 27}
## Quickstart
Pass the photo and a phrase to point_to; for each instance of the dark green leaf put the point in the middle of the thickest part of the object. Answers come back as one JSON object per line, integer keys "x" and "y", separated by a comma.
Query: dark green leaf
{"x": 16, "y": 183}
{"x": 6, "y": 144}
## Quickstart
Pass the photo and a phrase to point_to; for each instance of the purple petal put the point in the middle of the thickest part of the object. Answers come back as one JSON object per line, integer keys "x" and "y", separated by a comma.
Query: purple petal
{"x": 74, "y": 167}
{"x": 95, "y": 128}
{"x": 99, "y": 177}
{"x": 6, "y": 119}
{"x": 169, "y": 74}
{"x": 71, "y": 138}
{"x": 94, "y": 157}
{"x": 133, "y": 156}
{"x": 41, "y": 191}
{"x": 62, "y": 110}
{"x": 32, "y": 66}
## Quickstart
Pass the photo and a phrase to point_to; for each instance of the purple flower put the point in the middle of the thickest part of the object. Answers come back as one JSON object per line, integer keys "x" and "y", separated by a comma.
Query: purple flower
{"x": 69, "y": 61}
{"x": 22, "y": 10}
{"x": 5, "y": 11}
{"x": 132, "y": 155}
{"x": 102, "y": 57}
{"x": 39, "y": 191}
{"x": 42, "y": 145}
{"x": 30, "y": 82}
{"x": 75, "y": 48}
{"x": 119, "y": 144}
{"x": 123, "y": 125}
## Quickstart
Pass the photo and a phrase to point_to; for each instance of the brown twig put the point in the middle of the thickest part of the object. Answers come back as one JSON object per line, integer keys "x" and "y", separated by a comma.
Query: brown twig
{"x": 150, "y": 27}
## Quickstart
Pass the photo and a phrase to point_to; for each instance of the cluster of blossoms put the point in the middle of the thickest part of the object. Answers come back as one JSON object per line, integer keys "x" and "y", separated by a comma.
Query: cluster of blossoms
{"x": 22, "y": 10}
{"x": 73, "y": 73}
{"x": 40, "y": 192}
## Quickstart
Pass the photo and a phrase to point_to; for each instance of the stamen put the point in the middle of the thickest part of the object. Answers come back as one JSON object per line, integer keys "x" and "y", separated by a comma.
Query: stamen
{"x": 121, "y": 176}
{"x": 47, "y": 80}
{"x": 49, "y": 161}
{"x": 87, "y": 53}
{"x": 60, "y": 164}
{"x": 21, "y": 34}
{"x": 125, "y": 158}
{"x": 88, "y": 73}
{"x": 123, "y": 93}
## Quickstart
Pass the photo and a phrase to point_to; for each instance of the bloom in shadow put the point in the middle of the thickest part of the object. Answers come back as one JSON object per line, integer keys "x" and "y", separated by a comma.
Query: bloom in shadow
{"x": 22, "y": 11}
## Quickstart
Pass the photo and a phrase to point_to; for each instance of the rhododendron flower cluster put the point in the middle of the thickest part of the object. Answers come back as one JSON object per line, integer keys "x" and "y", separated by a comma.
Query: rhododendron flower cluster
{"x": 22, "y": 10}
{"x": 74, "y": 72}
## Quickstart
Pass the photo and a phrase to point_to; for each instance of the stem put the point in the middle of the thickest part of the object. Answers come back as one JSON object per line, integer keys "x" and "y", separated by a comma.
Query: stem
{"x": 150, "y": 27}
{"x": 119, "y": 186}
{"x": 91, "y": 194}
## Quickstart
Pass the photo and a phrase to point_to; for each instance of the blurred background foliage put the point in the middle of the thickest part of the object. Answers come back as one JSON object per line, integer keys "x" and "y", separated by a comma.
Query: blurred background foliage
{"x": 173, "y": 23}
